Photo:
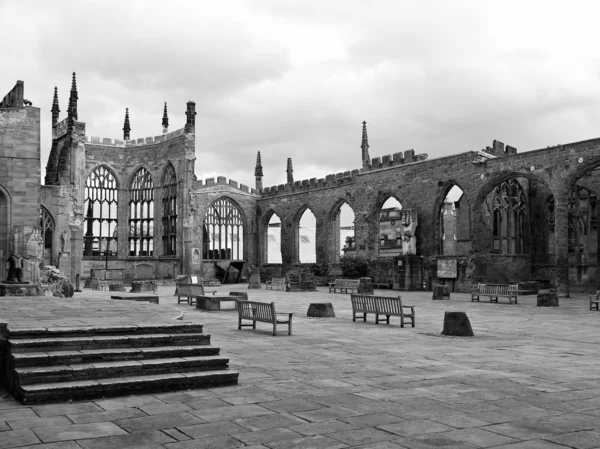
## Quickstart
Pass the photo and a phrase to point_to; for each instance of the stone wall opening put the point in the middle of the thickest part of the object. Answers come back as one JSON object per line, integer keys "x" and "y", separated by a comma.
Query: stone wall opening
{"x": 223, "y": 231}
{"x": 390, "y": 228}
{"x": 141, "y": 214}
{"x": 47, "y": 224}
{"x": 307, "y": 231}
{"x": 273, "y": 240}
{"x": 343, "y": 241}
{"x": 454, "y": 222}
{"x": 100, "y": 224}
{"x": 4, "y": 240}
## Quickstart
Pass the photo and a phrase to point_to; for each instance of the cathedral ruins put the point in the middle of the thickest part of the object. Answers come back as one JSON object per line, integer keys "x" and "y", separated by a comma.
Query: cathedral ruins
{"x": 127, "y": 209}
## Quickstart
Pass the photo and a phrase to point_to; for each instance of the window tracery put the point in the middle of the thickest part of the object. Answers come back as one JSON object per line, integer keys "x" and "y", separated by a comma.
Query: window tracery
{"x": 100, "y": 224}
{"x": 47, "y": 225}
{"x": 509, "y": 218}
{"x": 141, "y": 214}
{"x": 223, "y": 231}
{"x": 169, "y": 211}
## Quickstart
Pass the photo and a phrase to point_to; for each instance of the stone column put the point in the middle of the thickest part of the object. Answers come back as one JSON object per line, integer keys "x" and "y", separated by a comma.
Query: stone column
{"x": 289, "y": 245}
{"x": 561, "y": 231}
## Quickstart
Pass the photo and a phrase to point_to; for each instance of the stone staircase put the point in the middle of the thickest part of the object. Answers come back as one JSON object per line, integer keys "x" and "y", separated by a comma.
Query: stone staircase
{"x": 61, "y": 364}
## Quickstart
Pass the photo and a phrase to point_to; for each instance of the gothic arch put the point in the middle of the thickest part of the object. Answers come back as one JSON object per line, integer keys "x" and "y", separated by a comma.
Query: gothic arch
{"x": 101, "y": 192}
{"x": 337, "y": 241}
{"x": 223, "y": 230}
{"x": 169, "y": 193}
{"x": 272, "y": 239}
{"x": 5, "y": 228}
{"x": 141, "y": 213}
{"x": 304, "y": 243}
{"x": 48, "y": 226}
{"x": 456, "y": 227}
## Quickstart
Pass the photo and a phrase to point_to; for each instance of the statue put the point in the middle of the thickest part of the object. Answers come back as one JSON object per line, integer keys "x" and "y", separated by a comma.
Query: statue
{"x": 63, "y": 242}
{"x": 15, "y": 269}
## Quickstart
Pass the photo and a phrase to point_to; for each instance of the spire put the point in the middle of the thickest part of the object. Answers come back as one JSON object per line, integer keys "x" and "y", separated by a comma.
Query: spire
{"x": 55, "y": 109}
{"x": 366, "y": 160}
{"x": 165, "y": 120}
{"x": 190, "y": 126}
{"x": 73, "y": 99}
{"x": 290, "y": 171}
{"x": 258, "y": 171}
{"x": 126, "y": 127}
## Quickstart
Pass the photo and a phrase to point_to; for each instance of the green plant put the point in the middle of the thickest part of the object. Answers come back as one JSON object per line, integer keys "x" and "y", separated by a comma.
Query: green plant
{"x": 354, "y": 266}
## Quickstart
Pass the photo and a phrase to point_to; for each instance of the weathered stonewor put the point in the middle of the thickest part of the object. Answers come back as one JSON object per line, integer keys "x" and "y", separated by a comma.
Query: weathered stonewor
{"x": 300, "y": 281}
{"x": 547, "y": 298}
{"x": 59, "y": 364}
{"x": 457, "y": 324}
{"x": 320, "y": 310}
{"x": 254, "y": 282}
{"x": 441, "y": 291}
{"x": 365, "y": 286}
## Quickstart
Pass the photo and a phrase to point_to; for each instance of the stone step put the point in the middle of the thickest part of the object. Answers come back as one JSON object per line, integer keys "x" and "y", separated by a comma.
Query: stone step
{"x": 83, "y": 331}
{"x": 105, "y": 370}
{"x": 25, "y": 359}
{"x": 105, "y": 341}
{"x": 90, "y": 389}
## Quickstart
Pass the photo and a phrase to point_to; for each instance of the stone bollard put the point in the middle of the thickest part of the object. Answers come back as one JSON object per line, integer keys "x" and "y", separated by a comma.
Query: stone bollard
{"x": 320, "y": 310}
{"x": 457, "y": 324}
{"x": 441, "y": 291}
{"x": 547, "y": 298}
{"x": 365, "y": 286}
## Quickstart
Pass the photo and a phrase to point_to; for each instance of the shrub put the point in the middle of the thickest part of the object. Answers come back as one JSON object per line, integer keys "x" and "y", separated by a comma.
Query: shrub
{"x": 354, "y": 266}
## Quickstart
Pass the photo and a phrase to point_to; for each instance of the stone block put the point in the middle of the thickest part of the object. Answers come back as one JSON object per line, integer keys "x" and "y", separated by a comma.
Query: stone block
{"x": 210, "y": 181}
{"x": 441, "y": 291}
{"x": 233, "y": 184}
{"x": 385, "y": 160}
{"x": 457, "y": 324}
{"x": 547, "y": 298}
{"x": 320, "y": 310}
{"x": 409, "y": 155}
{"x": 221, "y": 180}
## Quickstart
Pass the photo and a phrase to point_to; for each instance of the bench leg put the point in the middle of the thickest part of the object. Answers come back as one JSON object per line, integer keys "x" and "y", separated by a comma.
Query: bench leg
{"x": 239, "y": 322}
{"x": 388, "y": 319}
{"x": 364, "y": 317}
{"x": 290, "y": 327}
{"x": 274, "y": 327}
{"x": 401, "y": 320}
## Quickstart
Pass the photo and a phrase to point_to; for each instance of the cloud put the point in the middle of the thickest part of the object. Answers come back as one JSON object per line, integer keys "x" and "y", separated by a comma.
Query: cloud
{"x": 297, "y": 78}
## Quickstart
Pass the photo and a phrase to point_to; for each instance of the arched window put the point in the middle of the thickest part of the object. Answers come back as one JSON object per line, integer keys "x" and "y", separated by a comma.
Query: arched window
{"x": 273, "y": 240}
{"x": 169, "y": 211}
{"x": 141, "y": 214}
{"x": 454, "y": 224}
{"x": 100, "y": 225}
{"x": 390, "y": 228}
{"x": 509, "y": 218}
{"x": 342, "y": 232}
{"x": 47, "y": 225}
{"x": 582, "y": 209}
{"x": 223, "y": 231}
{"x": 307, "y": 232}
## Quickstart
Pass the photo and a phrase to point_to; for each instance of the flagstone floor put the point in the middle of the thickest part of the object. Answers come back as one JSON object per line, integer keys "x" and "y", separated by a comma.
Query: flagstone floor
{"x": 529, "y": 379}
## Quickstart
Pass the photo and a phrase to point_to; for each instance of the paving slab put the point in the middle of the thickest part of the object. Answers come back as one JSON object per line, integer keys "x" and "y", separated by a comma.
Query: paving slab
{"x": 528, "y": 379}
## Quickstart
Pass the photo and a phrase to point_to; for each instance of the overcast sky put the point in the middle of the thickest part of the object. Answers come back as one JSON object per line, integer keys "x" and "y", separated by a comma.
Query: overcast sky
{"x": 295, "y": 78}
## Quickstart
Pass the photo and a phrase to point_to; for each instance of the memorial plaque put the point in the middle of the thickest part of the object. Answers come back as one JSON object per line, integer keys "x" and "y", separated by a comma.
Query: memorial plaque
{"x": 447, "y": 268}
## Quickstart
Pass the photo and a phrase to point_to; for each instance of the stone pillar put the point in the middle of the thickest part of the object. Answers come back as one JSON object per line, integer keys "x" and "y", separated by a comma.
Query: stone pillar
{"x": 76, "y": 247}
{"x": 561, "y": 247}
{"x": 289, "y": 247}
{"x": 322, "y": 237}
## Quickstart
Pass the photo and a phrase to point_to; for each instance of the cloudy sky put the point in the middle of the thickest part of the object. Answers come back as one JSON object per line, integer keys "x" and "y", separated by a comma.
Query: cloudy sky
{"x": 295, "y": 78}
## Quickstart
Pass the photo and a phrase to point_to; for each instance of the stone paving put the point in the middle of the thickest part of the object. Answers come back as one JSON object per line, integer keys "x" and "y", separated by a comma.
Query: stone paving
{"x": 529, "y": 379}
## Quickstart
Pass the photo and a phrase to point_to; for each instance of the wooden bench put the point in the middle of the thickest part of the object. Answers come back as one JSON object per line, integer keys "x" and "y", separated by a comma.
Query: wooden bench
{"x": 494, "y": 291}
{"x": 263, "y": 312}
{"x": 382, "y": 305}
{"x": 278, "y": 283}
{"x": 344, "y": 284}
{"x": 190, "y": 292}
{"x": 595, "y": 300}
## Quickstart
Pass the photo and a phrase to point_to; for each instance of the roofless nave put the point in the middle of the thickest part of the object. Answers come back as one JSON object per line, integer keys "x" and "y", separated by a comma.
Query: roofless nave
{"x": 135, "y": 206}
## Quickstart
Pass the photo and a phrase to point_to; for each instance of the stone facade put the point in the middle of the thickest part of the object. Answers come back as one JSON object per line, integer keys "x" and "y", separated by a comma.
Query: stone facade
{"x": 546, "y": 229}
